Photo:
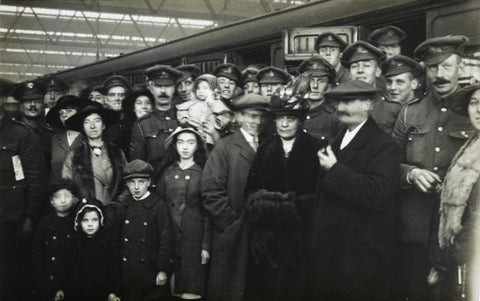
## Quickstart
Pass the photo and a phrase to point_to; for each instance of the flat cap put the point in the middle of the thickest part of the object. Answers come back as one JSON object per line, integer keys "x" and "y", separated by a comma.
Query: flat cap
{"x": 55, "y": 84}
{"x": 137, "y": 169}
{"x": 163, "y": 74}
{"x": 29, "y": 90}
{"x": 330, "y": 39}
{"x": 317, "y": 67}
{"x": 351, "y": 90}
{"x": 387, "y": 35}
{"x": 250, "y": 101}
{"x": 229, "y": 71}
{"x": 361, "y": 51}
{"x": 190, "y": 70}
{"x": 272, "y": 75}
{"x": 401, "y": 64}
{"x": 249, "y": 75}
{"x": 115, "y": 81}
{"x": 435, "y": 50}
{"x": 458, "y": 102}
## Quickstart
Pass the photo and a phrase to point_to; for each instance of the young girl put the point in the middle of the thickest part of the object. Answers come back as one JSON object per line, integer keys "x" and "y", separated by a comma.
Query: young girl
{"x": 179, "y": 185}
{"x": 95, "y": 265}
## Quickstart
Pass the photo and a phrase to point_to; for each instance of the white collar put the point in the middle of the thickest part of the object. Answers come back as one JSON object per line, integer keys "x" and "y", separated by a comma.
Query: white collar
{"x": 247, "y": 136}
{"x": 349, "y": 135}
{"x": 146, "y": 195}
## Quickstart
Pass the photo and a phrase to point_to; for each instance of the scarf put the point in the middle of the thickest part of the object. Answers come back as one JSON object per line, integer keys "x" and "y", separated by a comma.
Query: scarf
{"x": 461, "y": 176}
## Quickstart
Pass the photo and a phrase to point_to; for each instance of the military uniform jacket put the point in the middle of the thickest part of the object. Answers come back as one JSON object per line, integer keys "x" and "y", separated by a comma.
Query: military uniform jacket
{"x": 429, "y": 135}
{"x": 385, "y": 112}
{"x": 321, "y": 122}
{"x": 148, "y": 137}
{"x": 20, "y": 196}
{"x": 341, "y": 76}
{"x": 45, "y": 134}
{"x": 52, "y": 247}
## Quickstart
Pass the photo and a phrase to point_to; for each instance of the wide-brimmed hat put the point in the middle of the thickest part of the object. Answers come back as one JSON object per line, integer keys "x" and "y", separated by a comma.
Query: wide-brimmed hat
{"x": 186, "y": 128}
{"x": 458, "y": 101}
{"x": 109, "y": 117}
{"x": 67, "y": 101}
{"x": 290, "y": 100}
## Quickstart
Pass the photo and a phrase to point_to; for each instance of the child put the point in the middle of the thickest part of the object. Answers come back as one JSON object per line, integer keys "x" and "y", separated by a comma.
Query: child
{"x": 146, "y": 237}
{"x": 53, "y": 241}
{"x": 180, "y": 187}
{"x": 95, "y": 263}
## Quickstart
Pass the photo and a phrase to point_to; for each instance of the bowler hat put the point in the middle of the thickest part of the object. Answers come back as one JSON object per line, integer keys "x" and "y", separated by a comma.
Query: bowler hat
{"x": 137, "y": 169}
{"x": 29, "y": 90}
{"x": 67, "y": 101}
{"x": 330, "y": 39}
{"x": 387, "y": 35}
{"x": 458, "y": 101}
{"x": 361, "y": 51}
{"x": 435, "y": 50}
{"x": 401, "y": 64}
{"x": 109, "y": 117}
{"x": 351, "y": 90}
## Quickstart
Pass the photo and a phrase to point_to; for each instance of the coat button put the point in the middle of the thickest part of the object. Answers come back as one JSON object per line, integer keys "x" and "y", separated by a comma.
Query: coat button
{"x": 142, "y": 260}
{"x": 125, "y": 239}
{"x": 4, "y": 147}
{"x": 437, "y": 149}
{"x": 68, "y": 235}
{"x": 53, "y": 258}
{"x": 443, "y": 109}
{"x": 187, "y": 177}
{"x": 54, "y": 237}
{"x": 124, "y": 259}
{"x": 435, "y": 168}
{"x": 182, "y": 206}
{"x": 176, "y": 177}
{"x": 440, "y": 129}
{"x": 142, "y": 240}
{"x": 167, "y": 118}
{"x": 464, "y": 134}
{"x": 323, "y": 137}
{"x": 308, "y": 117}
{"x": 170, "y": 130}
{"x": 410, "y": 139}
{"x": 145, "y": 224}
{"x": 51, "y": 277}
{"x": 127, "y": 222}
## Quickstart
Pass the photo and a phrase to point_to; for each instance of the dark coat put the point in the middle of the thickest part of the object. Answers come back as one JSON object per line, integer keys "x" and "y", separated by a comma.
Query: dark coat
{"x": 354, "y": 225}
{"x": 322, "y": 123}
{"x": 78, "y": 167}
{"x": 276, "y": 267}
{"x": 52, "y": 248}
{"x": 224, "y": 180}
{"x": 191, "y": 226}
{"x": 148, "y": 136}
{"x": 385, "y": 112}
{"x": 146, "y": 243}
{"x": 23, "y": 197}
{"x": 60, "y": 149}
{"x": 120, "y": 133}
{"x": 95, "y": 269}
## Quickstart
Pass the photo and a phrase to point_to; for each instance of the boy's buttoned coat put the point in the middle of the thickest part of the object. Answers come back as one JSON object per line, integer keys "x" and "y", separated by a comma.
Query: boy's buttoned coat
{"x": 355, "y": 230}
{"x": 223, "y": 188}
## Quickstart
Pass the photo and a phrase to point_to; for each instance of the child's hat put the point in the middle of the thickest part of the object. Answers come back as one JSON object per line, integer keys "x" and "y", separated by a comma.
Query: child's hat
{"x": 86, "y": 204}
{"x": 137, "y": 169}
{"x": 63, "y": 184}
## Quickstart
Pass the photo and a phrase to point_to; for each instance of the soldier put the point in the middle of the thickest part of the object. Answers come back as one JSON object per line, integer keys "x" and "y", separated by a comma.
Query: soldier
{"x": 184, "y": 85}
{"x": 363, "y": 61}
{"x": 330, "y": 47}
{"x": 31, "y": 96}
{"x": 228, "y": 78}
{"x": 22, "y": 176}
{"x": 149, "y": 132}
{"x": 116, "y": 88}
{"x": 249, "y": 81}
{"x": 429, "y": 134}
{"x": 56, "y": 88}
{"x": 321, "y": 120}
{"x": 223, "y": 187}
{"x": 270, "y": 79}
{"x": 388, "y": 39}
{"x": 403, "y": 78}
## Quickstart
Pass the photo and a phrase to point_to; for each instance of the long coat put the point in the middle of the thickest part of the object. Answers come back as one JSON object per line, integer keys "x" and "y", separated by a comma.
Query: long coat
{"x": 354, "y": 225}
{"x": 145, "y": 243}
{"x": 60, "y": 150}
{"x": 277, "y": 272}
{"x": 223, "y": 188}
{"x": 191, "y": 226}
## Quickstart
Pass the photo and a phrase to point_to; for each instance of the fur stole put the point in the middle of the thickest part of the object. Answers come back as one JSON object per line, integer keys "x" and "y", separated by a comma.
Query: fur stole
{"x": 462, "y": 175}
{"x": 82, "y": 168}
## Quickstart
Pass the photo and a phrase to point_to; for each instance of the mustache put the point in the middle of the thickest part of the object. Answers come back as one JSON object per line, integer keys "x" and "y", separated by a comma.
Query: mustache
{"x": 163, "y": 95}
{"x": 439, "y": 81}
{"x": 342, "y": 113}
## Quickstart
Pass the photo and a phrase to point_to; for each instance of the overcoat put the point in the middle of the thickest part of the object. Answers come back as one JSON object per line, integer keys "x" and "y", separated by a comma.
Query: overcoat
{"x": 60, "y": 149}
{"x": 145, "y": 243}
{"x": 279, "y": 272}
{"x": 322, "y": 123}
{"x": 223, "y": 188}
{"x": 78, "y": 167}
{"x": 191, "y": 226}
{"x": 354, "y": 224}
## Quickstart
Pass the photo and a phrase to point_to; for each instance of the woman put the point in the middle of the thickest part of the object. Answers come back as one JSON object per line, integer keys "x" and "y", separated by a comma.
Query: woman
{"x": 459, "y": 226}
{"x": 138, "y": 104}
{"x": 96, "y": 165}
{"x": 179, "y": 186}
{"x": 281, "y": 185}
{"x": 64, "y": 139}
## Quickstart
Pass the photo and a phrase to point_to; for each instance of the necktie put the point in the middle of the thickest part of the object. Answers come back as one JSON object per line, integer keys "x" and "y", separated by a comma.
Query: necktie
{"x": 254, "y": 143}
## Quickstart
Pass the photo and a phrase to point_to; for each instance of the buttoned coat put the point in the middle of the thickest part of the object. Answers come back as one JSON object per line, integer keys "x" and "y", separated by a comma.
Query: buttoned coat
{"x": 148, "y": 136}
{"x": 181, "y": 191}
{"x": 322, "y": 123}
{"x": 385, "y": 112}
{"x": 354, "y": 225}
{"x": 60, "y": 149}
{"x": 145, "y": 243}
{"x": 223, "y": 188}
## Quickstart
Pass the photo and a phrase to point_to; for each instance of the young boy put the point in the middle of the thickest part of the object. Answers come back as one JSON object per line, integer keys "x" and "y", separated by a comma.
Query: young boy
{"x": 146, "y": 236}
{"x": 53, "y": 241}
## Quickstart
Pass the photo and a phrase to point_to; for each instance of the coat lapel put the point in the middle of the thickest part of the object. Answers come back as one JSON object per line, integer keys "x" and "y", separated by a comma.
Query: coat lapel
{"x": 361, "y": 138}
{"x": 245, "y": 150}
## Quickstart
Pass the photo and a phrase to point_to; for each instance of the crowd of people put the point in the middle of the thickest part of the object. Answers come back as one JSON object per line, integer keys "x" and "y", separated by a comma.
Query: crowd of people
{"x": 355, "y": 179}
